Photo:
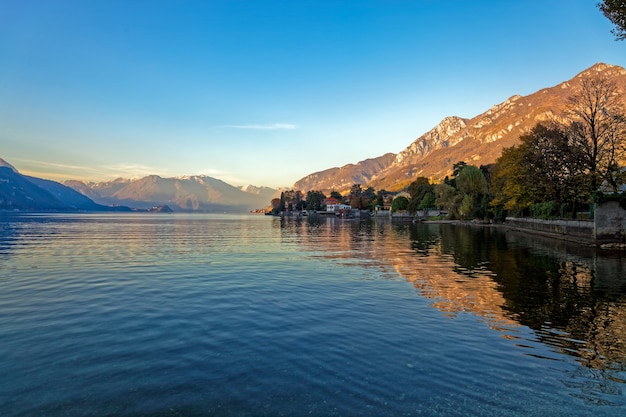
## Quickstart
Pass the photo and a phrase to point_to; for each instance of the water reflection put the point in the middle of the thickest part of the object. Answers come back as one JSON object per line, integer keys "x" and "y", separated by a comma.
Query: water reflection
{"x": 572, "y": 297}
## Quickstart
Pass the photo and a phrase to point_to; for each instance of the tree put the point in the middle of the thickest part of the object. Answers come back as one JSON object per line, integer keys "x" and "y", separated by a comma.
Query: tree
{"x": 428, "y": 202}
{"x": 418, "y": 190}
{"x": 445, "y": 197}
{"x": 510, "y": 182}
{"x": 471, "y": 181}
{"x": 598, "y": 129}
{"x": 543, "y": 168}
{"x": 472, "y": 184}
{"x": 314, "y": 200}
{"x": 369, "y": 197}
{"x": 400, "y": 203}
{"x": 457, "y": 168}
{"x": 336, "y": 195}
{"x": 355, "y": 196}
{"x": 615, "y": 11}
{"x": 292, "y": 200}
{"x": 276, "y": 207}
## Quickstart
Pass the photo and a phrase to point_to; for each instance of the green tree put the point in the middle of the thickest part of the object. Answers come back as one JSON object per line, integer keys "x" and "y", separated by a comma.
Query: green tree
{"x": 471, "y": 180}
{"x": 400, "y": 203}
{"x": 615, "y": 11}
{"x": 314, "y": 200}
{"x": 428, "y": 202}
{"x": 467, "y": 209}
{"x": 418, "y": 190}
{"x": 472, "y": 184}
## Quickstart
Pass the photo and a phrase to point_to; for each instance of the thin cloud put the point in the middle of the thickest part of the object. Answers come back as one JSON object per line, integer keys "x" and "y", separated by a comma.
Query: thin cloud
{"x": 44, "y": 164}
{"x": 273, "y": 126}
{"x": 130, "y": 170}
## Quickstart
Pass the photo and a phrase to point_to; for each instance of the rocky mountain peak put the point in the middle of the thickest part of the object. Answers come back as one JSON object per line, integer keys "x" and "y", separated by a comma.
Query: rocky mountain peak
{"x": 437, "y": 138}
{"x": 611, "y": 70}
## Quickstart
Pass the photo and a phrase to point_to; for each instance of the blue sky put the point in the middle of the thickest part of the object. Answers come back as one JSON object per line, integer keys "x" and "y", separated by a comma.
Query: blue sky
{"x": 266, "y": 92}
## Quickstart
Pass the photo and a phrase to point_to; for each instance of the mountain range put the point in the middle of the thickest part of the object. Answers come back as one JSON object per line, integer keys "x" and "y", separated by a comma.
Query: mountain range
{"x": 188, "y": 194}
{"x": 477, "y": 141}
{"x": 20, "y": 192}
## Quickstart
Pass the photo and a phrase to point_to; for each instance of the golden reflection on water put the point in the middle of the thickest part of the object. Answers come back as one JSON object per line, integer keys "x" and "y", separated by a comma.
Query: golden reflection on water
{"x": 571, "y": 297}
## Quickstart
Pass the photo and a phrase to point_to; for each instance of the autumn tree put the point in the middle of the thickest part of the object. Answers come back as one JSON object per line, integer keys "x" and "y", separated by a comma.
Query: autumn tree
{"x": 615, "y": 11}
{"x": 510, "y": 182}
{"x": 446, "y": 197}
{"x": 543, "y": 168}
{"x": 598, "y": 129}
{"x": 355, "y": 197}
{"x": 275, "y": 203}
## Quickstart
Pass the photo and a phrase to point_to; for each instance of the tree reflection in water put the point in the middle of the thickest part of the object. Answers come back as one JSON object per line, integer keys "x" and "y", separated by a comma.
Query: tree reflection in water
{"x": 573, "y": 297}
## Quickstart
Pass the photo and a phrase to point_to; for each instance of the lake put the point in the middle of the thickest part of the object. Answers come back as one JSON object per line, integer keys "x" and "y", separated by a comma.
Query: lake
{"x": 243, "y": 315}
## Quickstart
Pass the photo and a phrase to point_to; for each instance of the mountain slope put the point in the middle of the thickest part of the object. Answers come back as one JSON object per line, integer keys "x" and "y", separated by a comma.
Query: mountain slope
{"x": 25, "y": 193}
{"x": 477, "y": 141}
{"x": 68, "y": 196}
{"x": 341, "y": 179}
{"x": 18, "y": 193}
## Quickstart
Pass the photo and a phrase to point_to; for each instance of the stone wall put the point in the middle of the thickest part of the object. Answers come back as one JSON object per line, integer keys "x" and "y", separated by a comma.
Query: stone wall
{"x": 610, "y": 222}
{"x": 608, "y": 225}
{"x": 565, "y": 228}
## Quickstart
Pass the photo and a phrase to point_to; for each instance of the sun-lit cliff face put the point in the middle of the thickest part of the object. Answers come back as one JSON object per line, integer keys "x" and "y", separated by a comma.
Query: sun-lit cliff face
{"x": 477, "y": 141}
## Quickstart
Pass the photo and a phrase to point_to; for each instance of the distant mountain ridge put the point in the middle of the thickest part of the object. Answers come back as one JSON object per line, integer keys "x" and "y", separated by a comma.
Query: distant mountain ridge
{"x": 197, "y": 193}
{"x": 478, "y": 140}
{"x": 194, "y": 193}
{"x": 24, "y": 193}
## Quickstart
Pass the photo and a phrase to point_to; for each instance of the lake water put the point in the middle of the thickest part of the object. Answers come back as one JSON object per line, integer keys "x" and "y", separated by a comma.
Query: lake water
{"x": 225, "y": 315}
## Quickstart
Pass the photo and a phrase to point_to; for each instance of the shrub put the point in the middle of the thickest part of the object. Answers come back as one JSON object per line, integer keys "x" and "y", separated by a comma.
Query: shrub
{"x": 546, "y": 210}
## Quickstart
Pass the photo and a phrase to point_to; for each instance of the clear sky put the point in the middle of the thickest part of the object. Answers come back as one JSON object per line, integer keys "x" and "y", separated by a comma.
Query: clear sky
{"x": 267, "y": 92}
